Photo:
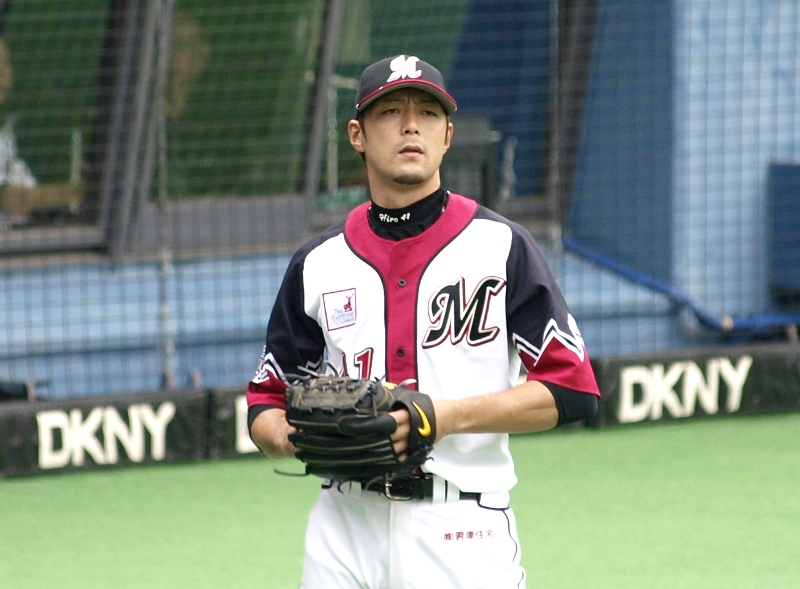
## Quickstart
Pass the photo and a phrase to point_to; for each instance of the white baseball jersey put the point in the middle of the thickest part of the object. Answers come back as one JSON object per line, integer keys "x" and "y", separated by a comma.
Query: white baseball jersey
{"x": 456, "y": 308}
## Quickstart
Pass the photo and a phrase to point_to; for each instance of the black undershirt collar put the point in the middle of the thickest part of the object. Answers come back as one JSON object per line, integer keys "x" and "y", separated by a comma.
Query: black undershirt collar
{"x": 397, "y": 224}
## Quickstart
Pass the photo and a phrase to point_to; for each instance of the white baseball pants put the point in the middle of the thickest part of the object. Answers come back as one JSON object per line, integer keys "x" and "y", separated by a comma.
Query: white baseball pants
{"x": 362, "y": 540}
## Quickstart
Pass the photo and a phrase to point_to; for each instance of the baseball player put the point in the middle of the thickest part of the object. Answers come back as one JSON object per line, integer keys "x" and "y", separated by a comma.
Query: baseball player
{"x": 420, "y": 283}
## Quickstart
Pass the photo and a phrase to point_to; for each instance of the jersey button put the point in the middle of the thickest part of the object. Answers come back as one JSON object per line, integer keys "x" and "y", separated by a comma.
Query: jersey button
{"x": 401, "y": 352}
{"x": 401, "y": 283}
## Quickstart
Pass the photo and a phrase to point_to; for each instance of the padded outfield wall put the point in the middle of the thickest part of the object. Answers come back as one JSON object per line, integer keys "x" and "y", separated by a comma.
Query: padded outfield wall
{"x": 38, "y": 437}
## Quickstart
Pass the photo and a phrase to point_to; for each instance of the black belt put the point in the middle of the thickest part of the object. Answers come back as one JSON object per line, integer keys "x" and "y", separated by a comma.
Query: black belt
{"x": 405, "y": 488}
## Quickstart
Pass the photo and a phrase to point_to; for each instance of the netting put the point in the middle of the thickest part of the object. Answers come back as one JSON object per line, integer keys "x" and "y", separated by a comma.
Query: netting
{"x": 155, "y": 168}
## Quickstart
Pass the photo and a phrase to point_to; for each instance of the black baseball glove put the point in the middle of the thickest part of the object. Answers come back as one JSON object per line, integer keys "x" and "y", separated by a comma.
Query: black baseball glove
{"x": 343, "y": 427}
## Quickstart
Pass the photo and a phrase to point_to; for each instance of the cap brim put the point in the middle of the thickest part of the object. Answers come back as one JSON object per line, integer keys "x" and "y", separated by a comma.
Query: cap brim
{"x": 447, "y": 101}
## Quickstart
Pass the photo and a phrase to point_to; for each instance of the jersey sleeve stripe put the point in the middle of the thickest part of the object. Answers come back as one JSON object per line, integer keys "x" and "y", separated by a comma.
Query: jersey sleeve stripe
{"x": 269, "y": 392}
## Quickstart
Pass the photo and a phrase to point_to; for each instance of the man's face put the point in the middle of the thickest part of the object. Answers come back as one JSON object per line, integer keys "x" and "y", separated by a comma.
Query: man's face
{"x": 404, "y": 137}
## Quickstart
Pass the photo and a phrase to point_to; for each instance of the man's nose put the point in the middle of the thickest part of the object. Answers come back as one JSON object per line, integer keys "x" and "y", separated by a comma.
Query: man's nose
{"x": 411, "y": 122}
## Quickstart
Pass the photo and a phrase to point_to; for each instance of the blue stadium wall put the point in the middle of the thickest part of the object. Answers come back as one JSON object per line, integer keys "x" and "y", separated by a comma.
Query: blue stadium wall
{"x": 501, "y": 70}
{"x": 690, "y": 107}
{"x": 622, "y": 193}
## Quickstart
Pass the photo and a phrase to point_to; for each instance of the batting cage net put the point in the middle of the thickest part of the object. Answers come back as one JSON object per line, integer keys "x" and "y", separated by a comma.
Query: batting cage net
{"x": 160, "y": 160}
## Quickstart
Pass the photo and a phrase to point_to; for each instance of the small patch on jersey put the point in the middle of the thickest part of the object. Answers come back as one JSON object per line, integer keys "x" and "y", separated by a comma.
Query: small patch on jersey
{"x": 340, "y": 308}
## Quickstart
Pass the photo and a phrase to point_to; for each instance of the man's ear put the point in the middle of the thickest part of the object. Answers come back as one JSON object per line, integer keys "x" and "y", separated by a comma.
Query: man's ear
{"x": 356, "y": 135}
{"x": 448, "y": 136}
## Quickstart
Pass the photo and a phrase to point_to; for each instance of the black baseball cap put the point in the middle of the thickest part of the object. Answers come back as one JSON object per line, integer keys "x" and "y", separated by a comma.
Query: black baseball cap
{"x": 401, "y": 71}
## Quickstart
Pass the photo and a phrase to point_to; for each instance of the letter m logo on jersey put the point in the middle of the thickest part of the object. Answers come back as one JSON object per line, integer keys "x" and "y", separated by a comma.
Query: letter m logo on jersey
{"x": 454, "y": 317}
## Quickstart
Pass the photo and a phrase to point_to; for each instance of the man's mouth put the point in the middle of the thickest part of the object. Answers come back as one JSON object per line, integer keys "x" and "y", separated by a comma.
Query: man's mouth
{"x": 411, "y": 149}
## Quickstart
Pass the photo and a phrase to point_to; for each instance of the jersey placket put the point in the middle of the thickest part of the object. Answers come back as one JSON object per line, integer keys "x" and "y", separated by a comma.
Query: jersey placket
{"x": 401, "y": 265}
{"x": 402, "y": 285}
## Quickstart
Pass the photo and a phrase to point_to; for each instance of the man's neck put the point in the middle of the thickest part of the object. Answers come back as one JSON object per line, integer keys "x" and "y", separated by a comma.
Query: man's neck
{"x": 398, "y": 196}
{"x": 410, "y": 221}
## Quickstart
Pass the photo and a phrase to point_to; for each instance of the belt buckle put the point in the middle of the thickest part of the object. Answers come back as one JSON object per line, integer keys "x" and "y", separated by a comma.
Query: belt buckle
{"x": 387, "y": 491}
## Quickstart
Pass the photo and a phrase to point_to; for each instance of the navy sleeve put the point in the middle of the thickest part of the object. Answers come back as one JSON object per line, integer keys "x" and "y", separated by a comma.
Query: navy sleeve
{"x": 294, "y": 340}
{"x": 541, "y": 327}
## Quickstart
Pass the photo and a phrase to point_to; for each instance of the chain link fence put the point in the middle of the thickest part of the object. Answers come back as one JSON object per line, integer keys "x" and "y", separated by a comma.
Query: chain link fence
{"x": 161, "y": 159}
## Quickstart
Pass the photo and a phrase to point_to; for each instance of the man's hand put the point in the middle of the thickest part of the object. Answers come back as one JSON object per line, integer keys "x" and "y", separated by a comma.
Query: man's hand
{"x": 400, "y": 435}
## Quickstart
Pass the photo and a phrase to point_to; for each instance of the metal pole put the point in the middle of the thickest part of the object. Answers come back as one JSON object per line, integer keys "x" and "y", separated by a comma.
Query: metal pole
{"x": 554, "y": 159}
{"x": 325, "y": 69}
{"x": 118, "y": 237}
{"x": 337, "y": 83}
{"x": 333, "y": 142}
{"x": 114, "y": 149}
{"x": 167, "y": 324}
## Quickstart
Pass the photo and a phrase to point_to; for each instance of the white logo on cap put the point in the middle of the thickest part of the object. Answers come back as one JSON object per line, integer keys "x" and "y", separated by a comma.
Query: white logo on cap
{"x": 404, "y": 67}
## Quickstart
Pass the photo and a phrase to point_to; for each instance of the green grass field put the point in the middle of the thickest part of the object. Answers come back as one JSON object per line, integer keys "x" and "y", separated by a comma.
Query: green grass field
{"x": 702, "y": 504}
